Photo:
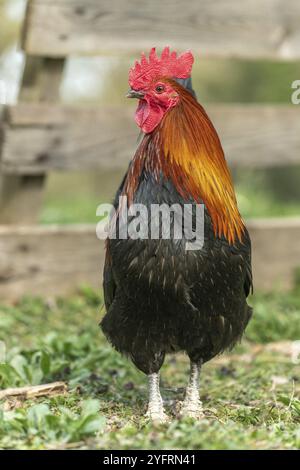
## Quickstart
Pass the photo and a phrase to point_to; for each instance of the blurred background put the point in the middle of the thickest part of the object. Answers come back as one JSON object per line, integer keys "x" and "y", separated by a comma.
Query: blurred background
{"x": 103, "y": 80}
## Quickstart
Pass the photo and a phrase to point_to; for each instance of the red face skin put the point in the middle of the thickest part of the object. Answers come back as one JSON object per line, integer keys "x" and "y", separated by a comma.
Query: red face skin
{"x": 157, "y": 100}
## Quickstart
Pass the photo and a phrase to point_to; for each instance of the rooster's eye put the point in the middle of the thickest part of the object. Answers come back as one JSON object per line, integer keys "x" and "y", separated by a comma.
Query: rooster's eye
{"x": 159, "y": 88}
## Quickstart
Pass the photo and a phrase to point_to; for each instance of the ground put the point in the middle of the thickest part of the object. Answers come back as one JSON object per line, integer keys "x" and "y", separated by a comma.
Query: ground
{"x": 250, "y": 396}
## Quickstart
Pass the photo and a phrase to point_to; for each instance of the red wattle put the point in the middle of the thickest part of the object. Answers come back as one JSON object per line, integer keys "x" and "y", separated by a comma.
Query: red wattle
{"x": 148, "y": 116}
{"x": 142, "y": 112}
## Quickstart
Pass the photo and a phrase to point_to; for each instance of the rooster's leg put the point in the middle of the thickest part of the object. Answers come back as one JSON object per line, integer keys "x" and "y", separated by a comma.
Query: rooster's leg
{"x": 192, "y": 405}
{"x": 155, "y": 407}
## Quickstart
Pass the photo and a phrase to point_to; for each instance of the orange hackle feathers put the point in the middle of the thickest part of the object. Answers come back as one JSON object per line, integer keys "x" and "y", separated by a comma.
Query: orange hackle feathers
{"x": 194, "y": 160}
{"x": 186, "y": 149}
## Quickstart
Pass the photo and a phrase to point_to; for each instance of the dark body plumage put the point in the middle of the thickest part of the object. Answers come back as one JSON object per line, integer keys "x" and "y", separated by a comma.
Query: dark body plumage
{"x": 161, "y": 298}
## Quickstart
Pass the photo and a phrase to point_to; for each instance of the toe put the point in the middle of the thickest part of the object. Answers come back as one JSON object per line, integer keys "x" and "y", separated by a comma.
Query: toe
{"x": 157, "y": 416}
{"x": 191, "y": 410}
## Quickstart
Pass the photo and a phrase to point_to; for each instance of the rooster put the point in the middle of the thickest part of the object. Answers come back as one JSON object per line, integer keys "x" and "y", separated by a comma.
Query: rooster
{"x": 161, "y": 297}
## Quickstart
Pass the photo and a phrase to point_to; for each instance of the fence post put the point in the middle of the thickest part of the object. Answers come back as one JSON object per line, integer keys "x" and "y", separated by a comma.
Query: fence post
{"x": 21, "y": 196}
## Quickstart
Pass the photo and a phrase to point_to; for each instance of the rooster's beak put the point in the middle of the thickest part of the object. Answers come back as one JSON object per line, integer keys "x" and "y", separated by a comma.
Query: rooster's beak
{"x": 135, "y": 94}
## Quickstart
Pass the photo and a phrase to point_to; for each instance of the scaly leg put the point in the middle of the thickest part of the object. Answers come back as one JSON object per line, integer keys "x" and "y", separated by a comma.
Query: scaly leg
{"x": 192, "y": 405}
{"x": 155, "y": 407}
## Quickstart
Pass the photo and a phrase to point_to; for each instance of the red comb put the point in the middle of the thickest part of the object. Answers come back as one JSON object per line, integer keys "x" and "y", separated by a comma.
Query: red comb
{"x": 169, "y": 65}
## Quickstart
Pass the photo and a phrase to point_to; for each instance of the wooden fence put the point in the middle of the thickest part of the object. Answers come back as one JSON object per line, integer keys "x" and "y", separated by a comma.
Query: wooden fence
{"x": 40, "y": 134}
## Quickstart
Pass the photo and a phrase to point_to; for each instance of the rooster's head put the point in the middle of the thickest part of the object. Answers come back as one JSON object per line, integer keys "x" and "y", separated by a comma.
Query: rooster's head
{"x": 151, "y": 81}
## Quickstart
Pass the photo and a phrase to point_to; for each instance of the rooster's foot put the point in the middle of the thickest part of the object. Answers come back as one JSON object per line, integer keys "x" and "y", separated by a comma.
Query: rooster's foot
{"x": 155, "y": 411}
{"x": 157, "y": 415}
{"x": 192, "y": 406}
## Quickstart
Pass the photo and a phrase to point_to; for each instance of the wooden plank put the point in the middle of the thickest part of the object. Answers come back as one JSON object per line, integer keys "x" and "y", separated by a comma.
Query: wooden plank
{"x": 55, "y": 260}
{"x": 40, "y": 138}
{"x": 69, "y": 139}
{"x": 21, "y": 196}
{"x": 276, "y": 252}
{"x": 250, "y": 28}
{"x": 49, "y": 260}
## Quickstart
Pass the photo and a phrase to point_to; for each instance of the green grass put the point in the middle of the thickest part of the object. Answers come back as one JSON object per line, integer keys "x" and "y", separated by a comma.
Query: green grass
{"x": 251, "y": 396}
